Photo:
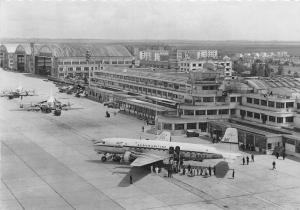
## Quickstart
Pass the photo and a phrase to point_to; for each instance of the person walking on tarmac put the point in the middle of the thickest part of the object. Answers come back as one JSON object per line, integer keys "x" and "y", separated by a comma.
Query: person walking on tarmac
{"x": 243, "y": 160}
{"x": 232, "y": 173}
{"x": 274, "y": 165}
{"x": 130, "y": 179}
{"x": 209, "y": 171}
{"x": 247, "y": 160}
{"x": 252, "y": 157}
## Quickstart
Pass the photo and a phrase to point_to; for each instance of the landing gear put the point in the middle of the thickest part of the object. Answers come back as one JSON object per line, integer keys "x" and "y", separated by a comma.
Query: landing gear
{"x": 103, "y": 158}
{"x": 116, "y": 158}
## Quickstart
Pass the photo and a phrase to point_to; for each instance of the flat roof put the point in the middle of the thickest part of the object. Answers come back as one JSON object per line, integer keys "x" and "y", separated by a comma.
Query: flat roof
{"x": 166, "y": 76}
{"x": 246, "y": 128}
{"x": 145, "y": 104}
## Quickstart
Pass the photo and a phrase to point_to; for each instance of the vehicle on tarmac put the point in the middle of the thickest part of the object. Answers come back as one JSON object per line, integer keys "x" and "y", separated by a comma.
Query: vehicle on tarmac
{"x": 191, "y": 133}
{"x": 141, "y": 152}
{"x": 17, "y": 93}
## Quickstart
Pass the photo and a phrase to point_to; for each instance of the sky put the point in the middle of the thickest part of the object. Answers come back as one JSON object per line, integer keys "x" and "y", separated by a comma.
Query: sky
{"x": 151, "y": 19}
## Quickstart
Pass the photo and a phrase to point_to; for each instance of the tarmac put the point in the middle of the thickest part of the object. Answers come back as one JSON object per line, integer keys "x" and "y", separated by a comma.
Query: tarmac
{"x": 48, "y": 162}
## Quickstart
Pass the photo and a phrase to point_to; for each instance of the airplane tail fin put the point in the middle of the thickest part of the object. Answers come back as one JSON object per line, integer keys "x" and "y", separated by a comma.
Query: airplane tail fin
{"x": 164, "y": 136}
{"x": 229, "y": 141}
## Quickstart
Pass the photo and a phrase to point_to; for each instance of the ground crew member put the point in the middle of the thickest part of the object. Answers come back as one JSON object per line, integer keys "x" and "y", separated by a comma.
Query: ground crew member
{"x": 252, "y": 157}
{"x": 274, "y": 165}
{"x": 209, "y": 171}
{"x": 247, "y": 160}
{"x": 130, "y": 179}
{"x": 243, "y": 160}
{"x": 233, "y": 173}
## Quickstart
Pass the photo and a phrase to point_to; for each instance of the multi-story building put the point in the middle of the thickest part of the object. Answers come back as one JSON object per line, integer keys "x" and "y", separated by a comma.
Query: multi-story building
{"x": 145, "y": 55}
{"x": 195, "y": 65}
{"x": 212, "y": 53}
{"x": 190, "y": 65}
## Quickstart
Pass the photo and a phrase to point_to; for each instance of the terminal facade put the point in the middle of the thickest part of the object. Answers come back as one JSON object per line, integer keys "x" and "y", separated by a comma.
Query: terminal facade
{"x": 200, "y": 100}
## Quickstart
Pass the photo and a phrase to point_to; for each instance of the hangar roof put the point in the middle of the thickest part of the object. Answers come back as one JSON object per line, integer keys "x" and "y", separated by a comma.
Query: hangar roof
{"x": 79, "y": 50}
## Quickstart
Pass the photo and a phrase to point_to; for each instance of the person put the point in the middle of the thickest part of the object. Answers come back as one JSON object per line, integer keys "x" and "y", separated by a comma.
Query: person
{"x": 283, "y": 155}
{"x": 274, "y": 165}
{"x": 233, "y": 173}
{"x": 247, "y": 160}
{"x": 214, "y": 170}
{"x": 143, "y": 128}
{"x": 209, "y": 171}
{"x": 277, "y": 155}
{"x": 156, "y": 170}
{"x": 189, "y": 167}
{"x": 252, "y": 157}
{"x": 243, "y": 160}
{"x": 130, "y": 179}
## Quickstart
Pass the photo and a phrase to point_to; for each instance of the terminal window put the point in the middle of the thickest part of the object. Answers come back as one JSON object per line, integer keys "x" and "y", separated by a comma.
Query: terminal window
{"x": 272, "y": 118}
{"x": 256, "y": 101}
{"x": 279, "y": 105}
{"x": 256, "y": 115}
{"x": 271, "y": 104}
{"x": 289, "y": 104}
{"x": 212, "y": 112}
{"x": 279, "y": 119}
{"x": 179, "y": 126}
{"x": 200, "y": 112}
{"x": 263, "y": 102}
{"x": 289, "y": 119}
{"x": 249, "y": 114}
{"x": 232, "y": 99}
{"x": 249, "y": 100}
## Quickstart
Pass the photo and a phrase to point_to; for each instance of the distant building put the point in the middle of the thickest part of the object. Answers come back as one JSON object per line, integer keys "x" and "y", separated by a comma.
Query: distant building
{"x": 190, "y": 65}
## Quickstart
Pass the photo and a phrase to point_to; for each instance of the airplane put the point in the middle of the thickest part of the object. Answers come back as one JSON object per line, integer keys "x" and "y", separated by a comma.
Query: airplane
{"x": 17, "y": 93}
{"x": 48, "y": 105}
{"x": 144, "y": 152}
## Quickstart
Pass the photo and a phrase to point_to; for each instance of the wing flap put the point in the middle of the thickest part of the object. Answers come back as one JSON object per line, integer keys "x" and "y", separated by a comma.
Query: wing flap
{"x": 146, "y": 158}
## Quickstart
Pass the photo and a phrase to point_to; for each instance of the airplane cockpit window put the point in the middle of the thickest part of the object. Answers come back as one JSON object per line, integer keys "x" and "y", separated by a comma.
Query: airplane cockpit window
{"x": 100, "y": 142}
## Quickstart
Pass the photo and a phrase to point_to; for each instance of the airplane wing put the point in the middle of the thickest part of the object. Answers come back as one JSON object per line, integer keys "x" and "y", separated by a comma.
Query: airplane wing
{"x": 147, "y": 158}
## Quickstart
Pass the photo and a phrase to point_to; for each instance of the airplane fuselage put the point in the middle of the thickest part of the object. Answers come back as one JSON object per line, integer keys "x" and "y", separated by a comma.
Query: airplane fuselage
{"x": 187, "y": 150}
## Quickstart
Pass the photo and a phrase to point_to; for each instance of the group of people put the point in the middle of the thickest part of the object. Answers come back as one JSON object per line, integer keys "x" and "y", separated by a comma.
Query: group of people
{"x": 247, "y": 159}
{"x": 197, "y": 170}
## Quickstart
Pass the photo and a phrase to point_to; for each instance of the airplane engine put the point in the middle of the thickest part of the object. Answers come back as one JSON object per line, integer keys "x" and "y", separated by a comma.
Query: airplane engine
{"x": 128, "y": 157}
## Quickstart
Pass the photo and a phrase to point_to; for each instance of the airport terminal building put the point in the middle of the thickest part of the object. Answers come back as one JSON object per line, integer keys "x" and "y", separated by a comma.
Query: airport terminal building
{"x": 205, "y": 101}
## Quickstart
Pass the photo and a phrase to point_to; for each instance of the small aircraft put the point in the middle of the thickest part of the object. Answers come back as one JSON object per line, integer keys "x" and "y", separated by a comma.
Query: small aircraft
{"x": 144, "y": 152}
{"x": 47, "y": 106}
{"x": 17, "y": 93}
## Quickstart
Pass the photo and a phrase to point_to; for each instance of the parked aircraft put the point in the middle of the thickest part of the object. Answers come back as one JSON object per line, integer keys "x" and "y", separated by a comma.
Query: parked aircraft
{"x": 144, "y": 152}
{"x": 47, "y": 106}
{"x": 17, "y": 93}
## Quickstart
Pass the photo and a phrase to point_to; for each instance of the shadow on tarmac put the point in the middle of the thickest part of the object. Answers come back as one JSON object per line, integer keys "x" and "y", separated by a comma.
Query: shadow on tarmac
{"x": 221, "y": 169}
{"x": 137, "y": 174}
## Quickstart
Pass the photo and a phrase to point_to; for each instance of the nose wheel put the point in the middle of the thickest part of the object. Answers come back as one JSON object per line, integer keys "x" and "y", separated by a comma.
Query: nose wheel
{"x": 103, "y": 158}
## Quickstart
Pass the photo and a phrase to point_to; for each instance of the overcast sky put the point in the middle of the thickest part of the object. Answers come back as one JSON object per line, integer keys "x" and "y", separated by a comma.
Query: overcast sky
{"x": 164, "y": 19}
